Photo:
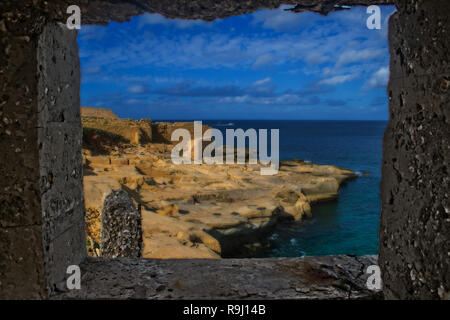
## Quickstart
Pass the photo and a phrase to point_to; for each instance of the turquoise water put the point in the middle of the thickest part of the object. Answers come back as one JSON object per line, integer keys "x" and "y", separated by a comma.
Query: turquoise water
{"x": 348, "y": 225}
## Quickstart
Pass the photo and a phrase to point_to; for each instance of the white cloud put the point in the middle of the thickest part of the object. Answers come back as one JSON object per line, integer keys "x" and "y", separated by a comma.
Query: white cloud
{"x": 155, "y": 19}
{"x": 379, "y": 79}
{"x": 278, "y": 20}
{"x": 316, "y": 57}
{"x": 132, "y": 101}
{"x": 93, "y": 70}
{"x": 338, "y": 79}
{"x": 336, "y": 51}
{"x": 351, "y": 56}
{"x": 136, "y": 89}
{"x": 283, "y": 99}
{"x": 92, "y": 33}
{"x": 215, "y": 49}
{"x": 264, "y": 60}
{"x": 262, "y": 82}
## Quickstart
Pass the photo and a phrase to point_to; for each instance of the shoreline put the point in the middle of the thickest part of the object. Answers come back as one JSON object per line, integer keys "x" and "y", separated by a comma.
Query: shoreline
{"x": 180, "y": 220}
{"x": 192, "y": 211}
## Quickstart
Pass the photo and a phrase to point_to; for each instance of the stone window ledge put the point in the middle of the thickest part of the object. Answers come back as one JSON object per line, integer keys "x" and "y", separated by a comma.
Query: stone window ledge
{"x": 308, "y": 278}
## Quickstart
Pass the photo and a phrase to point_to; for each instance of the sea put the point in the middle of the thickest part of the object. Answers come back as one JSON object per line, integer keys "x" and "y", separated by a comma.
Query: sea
{"x": 348, "y": 225}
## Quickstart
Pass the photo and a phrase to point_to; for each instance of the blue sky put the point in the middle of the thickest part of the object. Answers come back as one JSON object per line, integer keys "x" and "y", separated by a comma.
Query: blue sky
{"x": 272, "y": 64}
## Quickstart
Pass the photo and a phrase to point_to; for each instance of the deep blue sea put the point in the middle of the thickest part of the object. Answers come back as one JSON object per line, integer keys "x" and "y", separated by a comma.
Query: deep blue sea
{"x": 348, "y": 225}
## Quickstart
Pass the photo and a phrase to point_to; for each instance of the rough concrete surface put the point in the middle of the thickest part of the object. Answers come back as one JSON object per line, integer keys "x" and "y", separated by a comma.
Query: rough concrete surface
{"x": 59, "y": 142}
{"x": 309, "y": 278}
{"x": 21, "y": 252}
{"x": 415, "y": 226}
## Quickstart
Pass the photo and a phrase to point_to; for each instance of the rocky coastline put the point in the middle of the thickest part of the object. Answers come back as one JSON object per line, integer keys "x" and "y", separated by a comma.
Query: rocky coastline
{"x": 192, "y": 211}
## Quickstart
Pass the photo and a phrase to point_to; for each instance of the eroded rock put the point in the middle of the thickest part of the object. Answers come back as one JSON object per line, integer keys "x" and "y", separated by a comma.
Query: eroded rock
{"x": 121, "y": 227}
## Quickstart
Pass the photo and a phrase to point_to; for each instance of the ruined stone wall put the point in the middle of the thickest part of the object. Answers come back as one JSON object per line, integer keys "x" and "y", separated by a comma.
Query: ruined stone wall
{"x": 121, "y": 235}
{"x": 415, "y": 226}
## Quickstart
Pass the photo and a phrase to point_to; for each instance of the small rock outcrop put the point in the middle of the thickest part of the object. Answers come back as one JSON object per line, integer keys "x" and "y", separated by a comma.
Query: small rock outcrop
{"x": 121, "y": 234}
{"x": 105, "y": 124}
{"x": 98, "y": 113}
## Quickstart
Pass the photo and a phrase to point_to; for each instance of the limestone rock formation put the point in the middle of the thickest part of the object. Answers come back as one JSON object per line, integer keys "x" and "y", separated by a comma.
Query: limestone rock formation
{"x": 123, "y": 130}
{"x": 121, "y": 227}
{"x": 202, "y": 211}
{"x": 206, "y": 211}
{"x": 98, "y": 113}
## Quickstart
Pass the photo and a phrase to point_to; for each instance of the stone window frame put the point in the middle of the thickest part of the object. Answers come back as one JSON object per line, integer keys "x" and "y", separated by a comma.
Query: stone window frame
{"x": 45, "y": 201}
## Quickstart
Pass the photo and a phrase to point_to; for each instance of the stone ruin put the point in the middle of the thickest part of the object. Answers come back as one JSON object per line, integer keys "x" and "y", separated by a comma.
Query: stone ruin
{"x": 121, "y": 227}
{"x": 41, "y": 200}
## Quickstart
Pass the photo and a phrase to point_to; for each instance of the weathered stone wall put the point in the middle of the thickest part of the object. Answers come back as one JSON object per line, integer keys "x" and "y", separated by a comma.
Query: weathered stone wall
{"x": 21, "y": 251}
{"x": 415, "y": 227}
{"x": 41, "y": 199}
{"x": 308, "y": 278}
{"x": 59, "y": 142}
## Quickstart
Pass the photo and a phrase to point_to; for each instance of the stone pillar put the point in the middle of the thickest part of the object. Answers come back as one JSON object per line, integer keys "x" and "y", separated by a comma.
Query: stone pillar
{"x": 21, "y": 250}
{"x": 41, "y": 199}
{"x": 60, "y": 161}
{"x": 121, "y": 227}
{"x": 415, "y": 227}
